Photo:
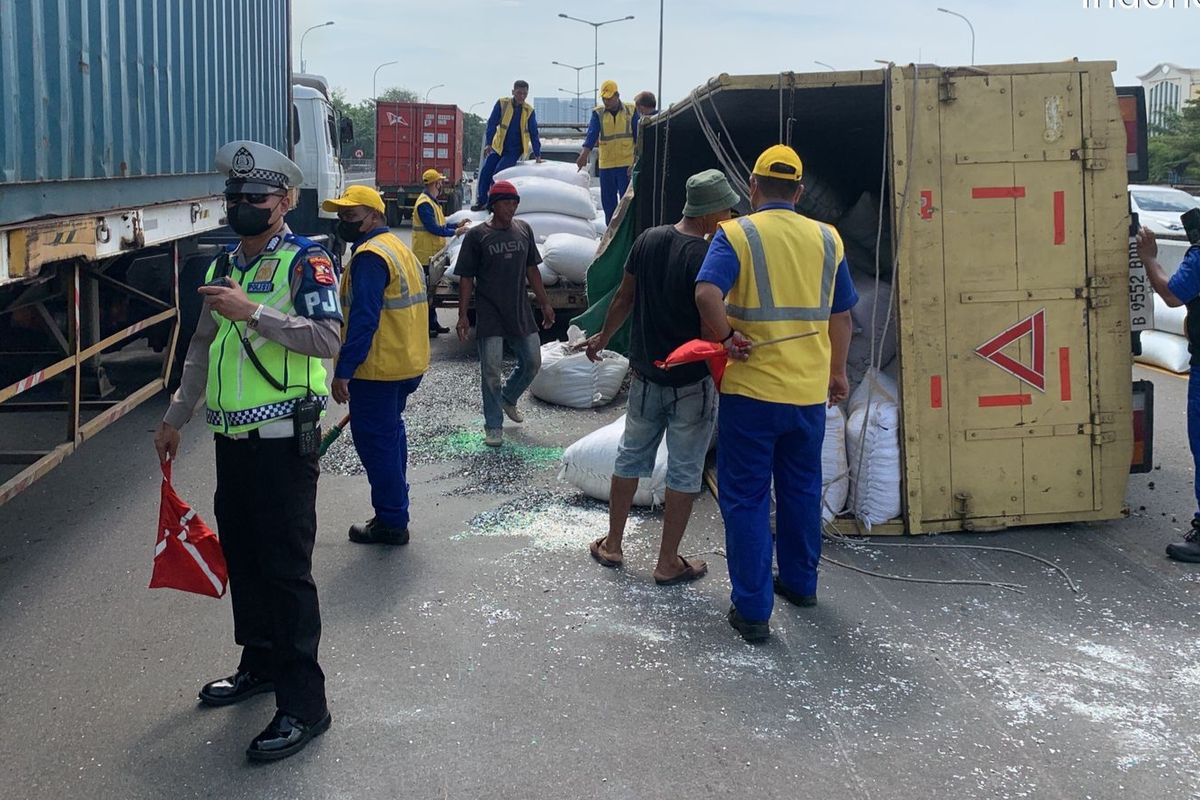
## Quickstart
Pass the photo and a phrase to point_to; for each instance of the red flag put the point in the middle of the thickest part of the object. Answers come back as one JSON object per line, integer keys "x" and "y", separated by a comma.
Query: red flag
{"x": 699, "y": 350}
{"x": 187, "y": 555}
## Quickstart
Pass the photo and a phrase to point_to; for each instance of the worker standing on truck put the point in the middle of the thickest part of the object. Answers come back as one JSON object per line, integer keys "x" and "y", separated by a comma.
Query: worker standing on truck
{"x": 614, "y": 126}
{"x": 771, "y": 274}
{"x": 497, "y": 266}
{"x": 272, "y": 315}
{"x": 658, "y": 288}
{"x": 383, "y": 355}
{"x": 1182, "y": 288}
{"x": 512, "y": 134}
{"x": 430, "y": 232}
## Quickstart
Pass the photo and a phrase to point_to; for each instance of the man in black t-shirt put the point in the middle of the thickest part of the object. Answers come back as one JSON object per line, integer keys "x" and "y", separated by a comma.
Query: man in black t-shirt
{"x": 497, "y": 265}
{"x": 659, "y": 288}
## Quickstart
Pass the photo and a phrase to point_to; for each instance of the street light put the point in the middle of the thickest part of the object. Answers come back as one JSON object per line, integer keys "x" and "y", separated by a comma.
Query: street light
{"x": 472, "y": 108}
{"x": 969, "y": 25}
{"x": 596, "y": 26}
{"x": 578, "y": 105}
{"x": 829, "y": 67}
{"x": 313, "y": 28}
{"x": 374, "y": 93}
{"x": 431, "y": 88}
{"x": 578, "y": 110}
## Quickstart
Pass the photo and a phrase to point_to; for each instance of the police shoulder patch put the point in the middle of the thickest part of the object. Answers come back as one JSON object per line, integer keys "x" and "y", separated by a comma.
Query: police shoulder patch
{"x": 322, "y": 267}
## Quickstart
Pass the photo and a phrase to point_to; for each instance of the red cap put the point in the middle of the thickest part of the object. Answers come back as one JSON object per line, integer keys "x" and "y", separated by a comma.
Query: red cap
{"x": 502, "y": 190}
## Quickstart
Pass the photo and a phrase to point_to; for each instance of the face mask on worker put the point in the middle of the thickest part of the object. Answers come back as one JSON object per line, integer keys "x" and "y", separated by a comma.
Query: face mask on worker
{"x": 349, "y": 231}
{"x": 250, "y": 220}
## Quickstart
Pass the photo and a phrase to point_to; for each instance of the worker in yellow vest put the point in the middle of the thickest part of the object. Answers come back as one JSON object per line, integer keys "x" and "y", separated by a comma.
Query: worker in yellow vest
{"x": 512, "y": 134}
{"x": 384, "y": 355}
{"x": 767, "y": 275}
{"x": 430, "y": 232}
{"x": 614, "y": 127}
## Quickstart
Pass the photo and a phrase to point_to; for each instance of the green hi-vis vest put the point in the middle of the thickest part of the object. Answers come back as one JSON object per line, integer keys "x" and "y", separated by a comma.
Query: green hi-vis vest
{"x": 239, "y": 398}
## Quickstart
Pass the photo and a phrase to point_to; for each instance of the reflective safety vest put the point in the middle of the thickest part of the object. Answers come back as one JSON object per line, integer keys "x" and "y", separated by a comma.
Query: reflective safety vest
{"x": 785, "y": 286}
{"x": 616, "y": 136}
{"x": 239, "y": 398}
{"x": 506, "y": 115}
{"x": 424, "y": 243}
{"x": 400, "y": 348}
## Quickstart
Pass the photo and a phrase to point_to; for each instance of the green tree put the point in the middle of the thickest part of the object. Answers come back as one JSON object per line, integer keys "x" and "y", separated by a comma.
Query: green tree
{"x": 474, "y": 126}
{"x": 1174, "y": 146}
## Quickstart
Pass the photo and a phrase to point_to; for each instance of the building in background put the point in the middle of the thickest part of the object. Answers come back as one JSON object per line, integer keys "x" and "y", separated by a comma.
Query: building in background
{"x": 558, "y": 110}
{"x": 1168, "y": 86}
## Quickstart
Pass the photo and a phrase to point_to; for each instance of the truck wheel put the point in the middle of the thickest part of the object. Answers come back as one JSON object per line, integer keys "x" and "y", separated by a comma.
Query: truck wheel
{"x": 394, "y": 215}
{"x": 191, "y": 275}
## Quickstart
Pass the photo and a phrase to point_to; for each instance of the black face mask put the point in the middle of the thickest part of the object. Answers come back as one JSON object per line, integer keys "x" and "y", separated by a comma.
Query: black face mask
{"x": 349, "y": 231}
{"x": 248, "y": 220}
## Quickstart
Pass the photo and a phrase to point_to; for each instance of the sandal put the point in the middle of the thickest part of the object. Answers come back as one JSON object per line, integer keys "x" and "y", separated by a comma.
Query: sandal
{"x": 689, "y": 574}
{"x": 598, "y": 554}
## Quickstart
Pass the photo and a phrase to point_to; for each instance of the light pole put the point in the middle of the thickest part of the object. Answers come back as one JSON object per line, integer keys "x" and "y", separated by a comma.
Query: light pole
{"x": 969, "y": 25}
{"x": 596, "y": 26}
{"x": 431, "y": 88}
{"x": 829, "y": 67}
{"x": 476, "y": 103}
{"x": 374, "y": 93}
{"x": 313, "y": 28}
{"x": 660, "y": 49}
{"x": 578, "y": 110}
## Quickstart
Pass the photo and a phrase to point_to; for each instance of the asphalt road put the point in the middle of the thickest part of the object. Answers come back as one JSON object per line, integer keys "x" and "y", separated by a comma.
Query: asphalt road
{"x": 492, "y": 658}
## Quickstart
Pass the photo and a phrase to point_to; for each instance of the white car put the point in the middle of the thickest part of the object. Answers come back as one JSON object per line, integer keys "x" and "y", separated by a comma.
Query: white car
{"x": 1159, "y": 207}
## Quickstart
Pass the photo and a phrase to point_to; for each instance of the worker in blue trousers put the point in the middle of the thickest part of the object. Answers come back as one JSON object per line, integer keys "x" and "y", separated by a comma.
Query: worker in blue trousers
{"x": 771, "y": 274}
{"x": 385, "y": 353}
{"x": 614, "y": 127}
{"x": 512, "y": 134}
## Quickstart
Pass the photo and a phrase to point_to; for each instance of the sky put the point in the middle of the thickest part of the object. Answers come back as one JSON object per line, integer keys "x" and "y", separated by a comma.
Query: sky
{"x": 476, "y": 48}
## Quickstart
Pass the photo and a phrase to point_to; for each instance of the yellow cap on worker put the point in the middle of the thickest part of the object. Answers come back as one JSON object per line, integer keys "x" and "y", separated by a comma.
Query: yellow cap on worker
{"x": 779, "y": 161}
{"x": 356, "y": 195}
{"x": 431, "y": 175}
{"x": 608, "y": 89}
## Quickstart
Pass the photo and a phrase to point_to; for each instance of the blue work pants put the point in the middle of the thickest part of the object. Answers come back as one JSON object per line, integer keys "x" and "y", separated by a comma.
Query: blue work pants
{"x": 496, "y": 392}
{"x": 755, "y": 441}
{"x": 1193, "y": 430}
{"x": 491, "y": 165}
{"x": 613, "y": 183}
{"x": 377, "y": 427}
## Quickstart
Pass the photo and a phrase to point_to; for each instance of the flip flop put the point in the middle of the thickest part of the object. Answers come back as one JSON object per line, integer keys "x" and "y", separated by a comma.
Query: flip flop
{"x": 688, "y": 575}
{"x": 594, "y": 547}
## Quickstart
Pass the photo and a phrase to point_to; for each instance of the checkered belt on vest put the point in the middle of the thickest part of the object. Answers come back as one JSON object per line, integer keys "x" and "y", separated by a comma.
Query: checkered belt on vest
{"x": 252, "y": 415}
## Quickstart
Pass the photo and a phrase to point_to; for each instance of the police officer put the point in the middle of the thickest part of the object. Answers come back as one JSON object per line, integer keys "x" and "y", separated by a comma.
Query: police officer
{"x": 1182, "y": 288}
{"x": 270, "y": 315}
{"x": 512, "y": 134}
{"x": 384, "y": 355}
{"x": 767, "y": 275}
{"x": 430, "y": 232}
{"x": 614, "y": 127}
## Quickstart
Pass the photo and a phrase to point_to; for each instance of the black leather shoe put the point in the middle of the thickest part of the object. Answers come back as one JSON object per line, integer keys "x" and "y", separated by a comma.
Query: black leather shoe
{"x": 375, "y": 532}
{"x": 795, "y": 598}
{"x": 752, "y": 632}
{"x": 234, "y": 689}
{"x": 1189, "y": 549}
{"x": 478, "y": 207}
{"x": 285, "y": 736}
{"x": 439, "y": 329}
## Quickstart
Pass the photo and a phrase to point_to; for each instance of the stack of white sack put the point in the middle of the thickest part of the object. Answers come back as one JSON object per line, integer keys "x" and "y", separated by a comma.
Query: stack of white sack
{"x": 546, "y": 195}
{"x": 597, "y": 199}
{"x": 1166, "y": 346}
{"x": 555, "y": 170}
{"x": 835, "y": 474}
{"x": 545, "y": 225}
{"x": 873, "y": 449}
{"x": 869, "y": 317}
{"x": 549, "y": 276}
{"x": 569, "y": 378}
{"x": 569, "y": 255}
{"x": 588, "y": 466}
{"x": 599, "y": 224}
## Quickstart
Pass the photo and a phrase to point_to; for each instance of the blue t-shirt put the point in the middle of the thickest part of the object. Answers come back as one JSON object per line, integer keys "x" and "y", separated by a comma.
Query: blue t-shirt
{"x": 721, "y": 268}
{"x": 1185, "y": 283}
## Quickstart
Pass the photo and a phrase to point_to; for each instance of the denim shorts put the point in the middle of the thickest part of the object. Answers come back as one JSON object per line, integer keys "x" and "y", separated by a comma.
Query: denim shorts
{"x": 685, "y": 414}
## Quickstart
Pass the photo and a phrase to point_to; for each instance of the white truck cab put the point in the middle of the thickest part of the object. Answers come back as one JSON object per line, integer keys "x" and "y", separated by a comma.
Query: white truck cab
{"x": 317, "y": 136}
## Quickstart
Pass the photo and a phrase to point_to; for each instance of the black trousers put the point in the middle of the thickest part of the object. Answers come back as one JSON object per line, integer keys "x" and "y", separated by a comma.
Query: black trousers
{"x": 266, "y": 509}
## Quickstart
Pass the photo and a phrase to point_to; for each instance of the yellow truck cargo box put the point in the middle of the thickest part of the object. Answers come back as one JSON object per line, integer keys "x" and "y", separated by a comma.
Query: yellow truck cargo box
{"x": 1003, "y": 195}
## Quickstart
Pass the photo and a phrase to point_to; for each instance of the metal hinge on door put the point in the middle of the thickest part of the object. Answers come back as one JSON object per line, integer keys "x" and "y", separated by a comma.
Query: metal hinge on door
{"x": 1095, "y": 292}
{"x": 946, "y": 92}
{"x": 1091, "y": 154}
{"x": 1095, "y": 427}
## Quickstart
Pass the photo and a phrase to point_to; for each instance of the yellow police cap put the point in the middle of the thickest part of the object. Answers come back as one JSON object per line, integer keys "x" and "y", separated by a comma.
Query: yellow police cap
{"x": 608, "y": 89}
{"x": 356, "y": 195}
{"x": 779, "y": 161}
{"x": 431, "y": 175}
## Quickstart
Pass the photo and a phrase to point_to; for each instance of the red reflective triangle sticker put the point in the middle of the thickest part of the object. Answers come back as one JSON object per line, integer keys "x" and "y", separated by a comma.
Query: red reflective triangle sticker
{"x": 1033, "y": 326}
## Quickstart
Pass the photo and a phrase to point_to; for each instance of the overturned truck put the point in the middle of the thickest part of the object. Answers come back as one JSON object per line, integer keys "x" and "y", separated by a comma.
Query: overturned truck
{"x": 986, "y": 219}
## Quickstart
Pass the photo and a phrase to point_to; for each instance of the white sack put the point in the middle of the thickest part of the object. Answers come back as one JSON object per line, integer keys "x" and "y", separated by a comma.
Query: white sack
{"x": 545, "y": 224}
{"x": 569, "y": 378}
{"x": 599, "y": 224}
{"x": 588, "y": 465}
{"x": 873, "y": 450}
{"x": 555, "y": 197}
{"x": 1165, "y": 350}
{"x": 878, "y": 386}
{"x": 1169, "y": 320}
{"x": 455, "y": 245}
{"x": 835, "y": 475}
{"x": 466, "y": 215}
{"x": 597, "y": 199}
{"x": 549, "y": 276}
{"x": 871, "y": 295}
{"x": 570, "y": 255}
{"x": 553, "y": 170}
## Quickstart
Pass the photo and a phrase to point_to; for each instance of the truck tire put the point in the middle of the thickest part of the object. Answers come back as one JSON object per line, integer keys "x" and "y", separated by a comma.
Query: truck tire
{"x": 191, "y": 276}
{"x": 821, "y": 200}
{"x": 394, "y": 215}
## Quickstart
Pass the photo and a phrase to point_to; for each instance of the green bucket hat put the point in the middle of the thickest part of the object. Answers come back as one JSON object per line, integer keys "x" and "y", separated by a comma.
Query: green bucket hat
{"x": 708, "y": 192}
